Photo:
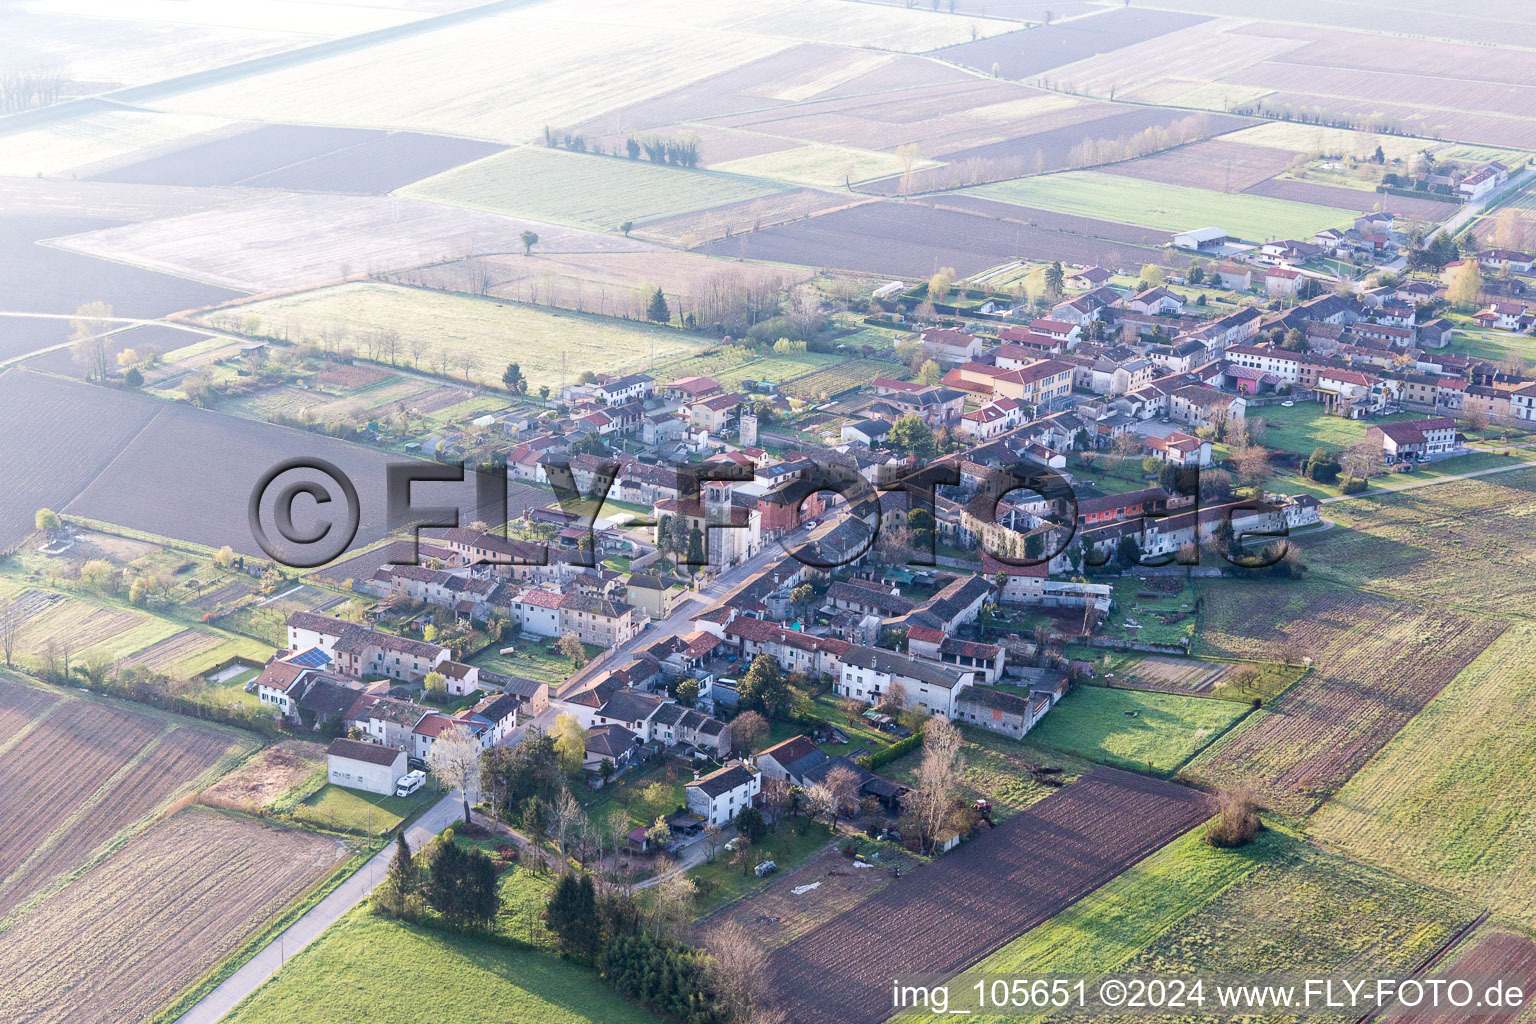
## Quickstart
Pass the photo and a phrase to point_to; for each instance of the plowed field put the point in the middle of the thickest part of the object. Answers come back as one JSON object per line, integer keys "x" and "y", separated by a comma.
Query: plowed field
{"x": 944, "y": 917}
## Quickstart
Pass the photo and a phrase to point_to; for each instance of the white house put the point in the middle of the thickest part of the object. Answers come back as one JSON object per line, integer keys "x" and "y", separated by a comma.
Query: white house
{"x": 869, "y": 672}
{"x": 537, "y": 611}
{"x": 724, "y": 793}
{"x": 369, "y": 767}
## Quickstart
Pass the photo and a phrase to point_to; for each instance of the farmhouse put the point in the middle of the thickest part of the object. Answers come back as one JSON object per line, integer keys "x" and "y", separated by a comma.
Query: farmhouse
{"x": 950, "y": 346}
{"x": 724, "y": 793}
{"x": 366, "y": 766}
{"x": 1413, "y": 440}
{"x": 1000, "y": 711}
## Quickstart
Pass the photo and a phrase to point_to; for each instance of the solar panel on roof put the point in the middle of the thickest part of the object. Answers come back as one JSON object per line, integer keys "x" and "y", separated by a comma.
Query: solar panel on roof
{"x": 312, "y": 658}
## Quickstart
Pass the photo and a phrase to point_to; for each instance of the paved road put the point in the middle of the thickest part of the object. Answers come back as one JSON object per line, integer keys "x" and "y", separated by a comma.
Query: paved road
{"x": 327, "y": 912}
{"x": 1466, "y": 213}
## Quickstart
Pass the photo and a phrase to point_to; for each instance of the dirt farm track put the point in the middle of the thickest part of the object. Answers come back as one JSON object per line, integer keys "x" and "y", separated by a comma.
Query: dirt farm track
{"x": 945, "y": 917}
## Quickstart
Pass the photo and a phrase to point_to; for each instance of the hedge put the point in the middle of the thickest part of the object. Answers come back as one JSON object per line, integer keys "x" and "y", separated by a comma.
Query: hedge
{"x": 880, "y": 758}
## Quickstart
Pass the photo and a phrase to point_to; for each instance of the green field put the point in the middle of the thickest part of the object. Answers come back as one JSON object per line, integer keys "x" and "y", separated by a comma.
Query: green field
{"x": 495, "y": 332}
{"x": 366, "y": 968}
{"x": 1276, "y": 905}
{"x": 1447, "y": 801}
{"x": 997, "y": 767}
{"x": 1170, "y": 208}
{"x": 731, "y": 364}
{"x": 1467, "y": 543}
{"x": 531, "y": 659}
{"x": 1135, "y": 728}
{"x": 1305, "y": 426}
{"x": 585, "y": 190}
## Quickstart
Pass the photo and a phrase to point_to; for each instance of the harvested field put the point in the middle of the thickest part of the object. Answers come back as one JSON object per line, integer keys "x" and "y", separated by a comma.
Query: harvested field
{"x": 267, "y": 776}
{"x": 542, "y": 73}
{"x": 292, "y": 240}
{"x": 1217, "y": 164}
{"x": 821, "y": 165}
{"x": 86, "y": 771}
{"x": 362, "y": 566}
{"x": 47, "y": 279}
{"x": 604, "y": 283}
{"x": 939, "y": 118}
{"x": 119, "y": 942}
{"x": 1446, "y": 802}
{"x": 144, "y": 464}
{"x": 737, "y": 218}
{"x": 1168, "y": 208}
{"x": 944, "y": 917}
{"x": 586, "y": 190}
{"x": 1027, "y": 53}
{"x": 1497, "y": 22}
{"x": 306, "y": 158}
{"x": 51, "y": 621}
{"x": 907, "y": 239}
{"x": 1295, "y": 137}
{"x": 1055, "y": 143}
{"x": 97, "y": 137}
{"x": 1357, "y": 200}
{"x": 1303, "y": 746}
{"x": 496, "y": 332}
{"x": 1464, "y": 543}
{"x": 1487, "y": 953}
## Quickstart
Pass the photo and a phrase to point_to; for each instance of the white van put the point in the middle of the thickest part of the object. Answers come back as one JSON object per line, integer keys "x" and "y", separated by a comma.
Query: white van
{"x": 410, "y": 782}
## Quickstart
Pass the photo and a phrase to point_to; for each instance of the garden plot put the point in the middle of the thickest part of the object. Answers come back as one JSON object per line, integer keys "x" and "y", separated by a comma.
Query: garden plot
{"x": 123, "y": 939}
{"x": 53, "y": 623}
{"x": 267, "y": 776}
{"x": 293, "y": 240}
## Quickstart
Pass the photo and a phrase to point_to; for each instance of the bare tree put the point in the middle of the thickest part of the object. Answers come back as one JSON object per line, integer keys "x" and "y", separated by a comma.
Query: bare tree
{"x": 714, "y": 836}
{"x": 894, "y": 700}
{"x": 747, "y": 729}
{"x": 418, "y": 347}
{"x": 776, "y": 798}
{"x": 469, "y": 363}
{"x": 455, "y": 760}
{"x": 843, "y": 787}
{"x": 672, "y": 901}
{"x": 938, "y": 775}
{"x": 567, "y": 815}
{"x": 736, "y": 970}
{"x": 90, "y": 327}
{"x": 11, "y": 626}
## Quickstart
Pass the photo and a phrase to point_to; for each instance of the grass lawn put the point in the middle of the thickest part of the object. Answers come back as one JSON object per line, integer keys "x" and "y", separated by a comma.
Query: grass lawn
{"x": 1171, "y": 208}
{"x": 624, "y": 792}
{"x": 1305, "y": 426}
{"x": 1495, "y": 346}
{"x": 351, "y": 810}
{"x": 532, "y": 660}
{"x": 585, "y": 190}
{"x": 1164, "y": 619}
{"x": 495, "y": 331}
{"x": 1135, "y": 728}
{"x": 996, "y": 767}
{"x": 369, "y": 968}
{"x": 1447, "y": 801}
{"x": 723, "y": 881}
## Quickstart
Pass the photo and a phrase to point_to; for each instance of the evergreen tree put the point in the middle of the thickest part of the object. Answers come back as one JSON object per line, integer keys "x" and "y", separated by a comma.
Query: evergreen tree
{"x": 513, "y": 379}
{"x": 696, "y": 547}
{"x": 572, "y": 915}
{"x": 658, "y": 311}
{"x": 399, "y": 895}
{"x": 463, "y": 885}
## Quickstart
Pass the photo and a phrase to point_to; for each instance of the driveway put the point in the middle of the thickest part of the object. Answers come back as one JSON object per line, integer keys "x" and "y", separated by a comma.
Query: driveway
{"x": 321, "y": 916}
